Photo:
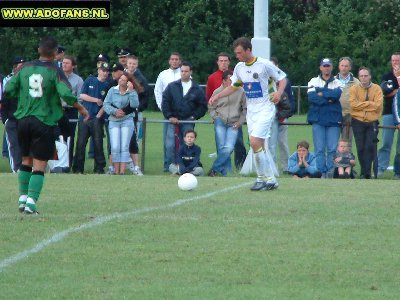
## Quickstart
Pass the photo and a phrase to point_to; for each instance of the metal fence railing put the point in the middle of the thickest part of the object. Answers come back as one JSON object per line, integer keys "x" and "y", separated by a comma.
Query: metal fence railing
{"x": 296, "y": 91}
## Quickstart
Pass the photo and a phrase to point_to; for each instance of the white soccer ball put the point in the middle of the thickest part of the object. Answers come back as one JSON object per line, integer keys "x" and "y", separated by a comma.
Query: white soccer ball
{"x": 187, "y": 182}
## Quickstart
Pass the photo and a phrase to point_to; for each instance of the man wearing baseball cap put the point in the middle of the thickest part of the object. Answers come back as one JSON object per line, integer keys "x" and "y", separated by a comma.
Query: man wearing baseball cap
{"x": 92, "y": 95}
{"x": 325, "y": 115}
{"x": 60, "y": 55}
{"x": 123, "y": 54}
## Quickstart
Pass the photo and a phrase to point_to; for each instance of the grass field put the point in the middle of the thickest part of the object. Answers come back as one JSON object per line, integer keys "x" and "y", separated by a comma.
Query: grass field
{"x": 127, "y": 237}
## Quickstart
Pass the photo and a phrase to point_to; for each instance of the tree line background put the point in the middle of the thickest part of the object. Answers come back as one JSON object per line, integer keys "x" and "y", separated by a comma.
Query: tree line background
{"x": 301, "y": 31}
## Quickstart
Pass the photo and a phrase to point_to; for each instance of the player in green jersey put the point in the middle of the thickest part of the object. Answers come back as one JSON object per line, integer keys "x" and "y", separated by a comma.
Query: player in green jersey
{"x": 39, "y": 85}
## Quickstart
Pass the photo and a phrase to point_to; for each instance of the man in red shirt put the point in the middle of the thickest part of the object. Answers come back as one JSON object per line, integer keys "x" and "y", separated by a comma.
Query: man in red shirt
{"x": 214, "y": 81}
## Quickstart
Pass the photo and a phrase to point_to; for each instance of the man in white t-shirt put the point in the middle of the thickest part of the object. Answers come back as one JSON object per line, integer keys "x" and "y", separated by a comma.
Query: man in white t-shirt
{"x": 173, "y": 73}
{"x": 253, "y": 73}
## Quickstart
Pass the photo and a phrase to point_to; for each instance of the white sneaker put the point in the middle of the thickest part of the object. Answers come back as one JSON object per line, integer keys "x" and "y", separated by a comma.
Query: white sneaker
{"x": 111, "y": 170}
{"x": 131, "y": 167}
{"x": 137, "y": 171}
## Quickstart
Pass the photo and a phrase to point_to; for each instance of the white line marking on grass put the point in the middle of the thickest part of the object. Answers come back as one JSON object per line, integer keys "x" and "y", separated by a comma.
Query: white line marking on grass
{"x": 102, "y": 220}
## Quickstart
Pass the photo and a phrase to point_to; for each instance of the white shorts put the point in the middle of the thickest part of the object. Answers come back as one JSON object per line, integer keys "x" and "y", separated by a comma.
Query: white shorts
{"x": 259, "y": 122}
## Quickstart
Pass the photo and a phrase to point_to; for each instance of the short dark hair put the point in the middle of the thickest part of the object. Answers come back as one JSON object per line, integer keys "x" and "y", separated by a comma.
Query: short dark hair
{"x": 190, "y": 131}
{"x": 176, "y": 54}
{"x": 226, "y": 73}
{"x": 365, "y": 68}
{"x": 71, "y": 58}
{"x": 303, "y": 144}
{"x": 244, "y": 42}
{"x": 48, "y": 45}
{"x": 187, "y": 64}
{"x": 223, "y": 54}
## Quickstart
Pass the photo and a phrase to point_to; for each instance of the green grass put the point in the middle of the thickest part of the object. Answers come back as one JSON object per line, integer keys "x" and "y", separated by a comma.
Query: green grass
{"x": 310, "y": 239}
{"x": 127, "y": 237}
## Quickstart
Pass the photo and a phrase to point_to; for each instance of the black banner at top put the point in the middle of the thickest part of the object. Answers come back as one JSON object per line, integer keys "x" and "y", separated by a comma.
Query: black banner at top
{"x": 54, "y": 13}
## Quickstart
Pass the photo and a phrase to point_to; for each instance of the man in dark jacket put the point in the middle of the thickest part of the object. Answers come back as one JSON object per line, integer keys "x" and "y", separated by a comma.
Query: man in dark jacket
{"x": 183, "y": 100}
{"x": 8, "y": 108}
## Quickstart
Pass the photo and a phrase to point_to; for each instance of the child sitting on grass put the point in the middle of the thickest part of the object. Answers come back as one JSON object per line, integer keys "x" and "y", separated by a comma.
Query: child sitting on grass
{"x": 188, "y": 157}
{"x": 302, "y": 163}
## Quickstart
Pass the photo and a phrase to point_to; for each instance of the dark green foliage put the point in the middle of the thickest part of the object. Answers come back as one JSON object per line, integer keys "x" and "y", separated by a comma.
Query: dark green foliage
{"x": 302, "y": 32}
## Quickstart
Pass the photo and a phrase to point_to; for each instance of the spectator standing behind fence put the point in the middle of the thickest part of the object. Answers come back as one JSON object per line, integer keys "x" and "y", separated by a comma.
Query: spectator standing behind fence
{"x": 325, "y": 115}
{"x": 214, "y": 81}
{"x": 133, "y": 68}
{"x": 347, "y": 79}
{"x": 67, "y": 123}
{"x": 390, "y": 85}
{"x": 396, "y": 116}
{"x": 120, "y": 124}
{"x": 279, "y": 132}
{"x": 4, "y": 146}
{"x": 183, "y": 100}
{"x": 188, "y": 158}
{"x": 302, "y": 163}
{"x": 164, "y": 78}
{"x": 93, "y": 92}
{"x": 8, "y": 108}
{"x": 60, "y": 55}
{"x": 123, "y": 54}
{"x": 254, "y": 73}
{"x": 343, "y": 160}
{"x": 366, "y": 103}
{"x": 228, "y": 113}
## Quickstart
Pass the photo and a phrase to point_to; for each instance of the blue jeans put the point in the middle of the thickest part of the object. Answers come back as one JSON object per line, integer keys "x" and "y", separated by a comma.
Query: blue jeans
{"x": 225, "y": 138}
{"x": 325, "y": 143}
{"x": 166, "y": 165}
{"x": 279, "y": 136}
{"x": 170, "y": 152}
{"x": 386, "y": 149}
{"x": 120, "y": 136}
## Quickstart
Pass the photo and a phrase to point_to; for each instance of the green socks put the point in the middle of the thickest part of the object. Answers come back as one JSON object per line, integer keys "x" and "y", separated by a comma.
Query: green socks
{"x": 24, "y": 176}
{"x": 35, "y": 185}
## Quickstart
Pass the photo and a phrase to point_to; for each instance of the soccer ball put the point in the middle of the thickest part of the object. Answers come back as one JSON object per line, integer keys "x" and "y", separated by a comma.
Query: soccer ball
{"x": 187, "y": 182}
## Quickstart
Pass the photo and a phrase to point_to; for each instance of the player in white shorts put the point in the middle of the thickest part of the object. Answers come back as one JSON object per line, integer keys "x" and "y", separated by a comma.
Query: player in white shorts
{"x": 252, "y": 73}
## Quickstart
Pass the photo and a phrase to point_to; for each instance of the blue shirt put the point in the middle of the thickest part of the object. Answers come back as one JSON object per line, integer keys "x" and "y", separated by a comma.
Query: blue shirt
{"x": 94, "y": 88}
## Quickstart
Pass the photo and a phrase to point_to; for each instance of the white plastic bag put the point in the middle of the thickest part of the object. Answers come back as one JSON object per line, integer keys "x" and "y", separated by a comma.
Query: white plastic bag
{"x": 62, "y": 147}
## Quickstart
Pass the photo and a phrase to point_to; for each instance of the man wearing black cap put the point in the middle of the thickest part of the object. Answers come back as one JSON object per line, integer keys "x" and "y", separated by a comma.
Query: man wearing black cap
{"x": 93, "y": 92}
{"x": 123, "y": 54}
{"x": 116, "y": 72}
{"x": 8, "y": 108}
{"x": 103, "y": 58}
{"x": 60, "y": 55}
